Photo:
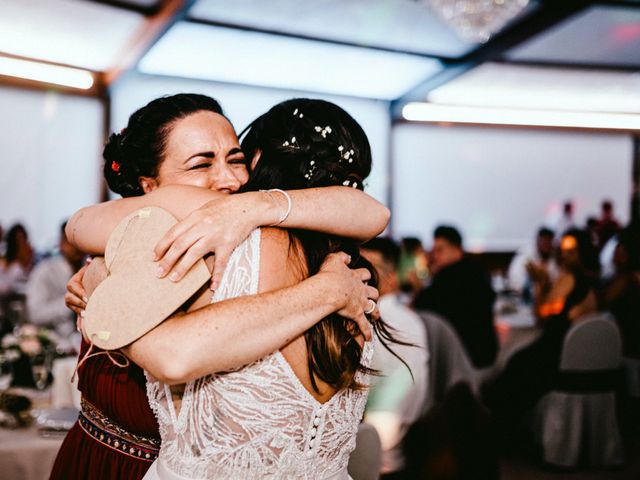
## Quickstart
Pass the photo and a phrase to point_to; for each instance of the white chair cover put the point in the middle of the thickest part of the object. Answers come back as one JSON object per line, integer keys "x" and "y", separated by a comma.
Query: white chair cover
{"x": 365, "y": 461}
{"x": 449, "y": 362}
{"x": 582, "y": 428}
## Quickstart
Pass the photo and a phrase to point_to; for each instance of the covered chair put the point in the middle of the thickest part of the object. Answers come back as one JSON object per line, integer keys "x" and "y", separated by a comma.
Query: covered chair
{"x": 449, "y": 363}
{"x": 576, "y": 424}
{"x": 365, "y": 461}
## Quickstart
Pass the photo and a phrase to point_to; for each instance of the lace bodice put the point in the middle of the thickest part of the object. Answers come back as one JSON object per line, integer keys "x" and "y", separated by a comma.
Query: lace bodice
{"x": 258, "y": 421}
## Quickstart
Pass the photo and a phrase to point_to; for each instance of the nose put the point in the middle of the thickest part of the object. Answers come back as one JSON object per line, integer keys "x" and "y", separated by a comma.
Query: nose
{"x": 223, "y": 179}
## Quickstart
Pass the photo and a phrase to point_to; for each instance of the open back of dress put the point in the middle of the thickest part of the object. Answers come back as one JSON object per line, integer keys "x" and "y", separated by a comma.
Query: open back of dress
{"x": 258, "y": 421}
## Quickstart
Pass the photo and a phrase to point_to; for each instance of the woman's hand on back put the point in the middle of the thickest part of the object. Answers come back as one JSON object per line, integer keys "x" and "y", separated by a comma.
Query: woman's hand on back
{"x": 352, "y": 288}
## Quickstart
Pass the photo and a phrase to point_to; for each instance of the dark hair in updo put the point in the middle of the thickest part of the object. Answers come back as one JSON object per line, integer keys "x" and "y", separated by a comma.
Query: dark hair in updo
{"x": 138, "y": 150}
{"x": 287, "y": 164}
{"x": 298, "y": 151}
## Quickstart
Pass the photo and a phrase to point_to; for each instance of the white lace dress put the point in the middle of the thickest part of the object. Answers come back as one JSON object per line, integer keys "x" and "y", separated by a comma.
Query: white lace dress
{"x": 258, "y": 422}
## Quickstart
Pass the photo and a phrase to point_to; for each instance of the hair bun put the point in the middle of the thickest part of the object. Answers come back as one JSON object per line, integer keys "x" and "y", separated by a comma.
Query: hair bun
{"x": 117, "y": 172}
{"x": 113, "y": 149}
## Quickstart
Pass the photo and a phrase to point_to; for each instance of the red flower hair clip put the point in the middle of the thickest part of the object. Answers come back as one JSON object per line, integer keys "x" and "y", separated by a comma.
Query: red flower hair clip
{"x": 115, "y": 166}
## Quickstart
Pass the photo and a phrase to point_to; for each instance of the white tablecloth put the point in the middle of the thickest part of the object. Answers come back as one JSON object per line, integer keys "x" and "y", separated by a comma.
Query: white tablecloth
{"x": 25, "y": 455}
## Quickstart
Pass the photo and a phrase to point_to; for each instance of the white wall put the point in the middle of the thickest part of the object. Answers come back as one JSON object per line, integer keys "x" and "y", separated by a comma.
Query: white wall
{"x": 242, "y": 104}
{"x": 499, "y": 185}
{"x": 50, "y": 146}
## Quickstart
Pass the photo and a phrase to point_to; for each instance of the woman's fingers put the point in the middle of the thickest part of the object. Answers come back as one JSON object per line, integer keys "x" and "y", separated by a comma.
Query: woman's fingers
{"x": 364, "y": 274}
{"x": 363, "y": 325}
{"x": 175, "y": 252}
{"x": 192, "y": 255}
{"x": 169, "y": 239}
{"x": 372, "y": 293}
{"x": 74, "y": 303}
{"x": 219, "y": 266}
{"x": 76, "y": 297}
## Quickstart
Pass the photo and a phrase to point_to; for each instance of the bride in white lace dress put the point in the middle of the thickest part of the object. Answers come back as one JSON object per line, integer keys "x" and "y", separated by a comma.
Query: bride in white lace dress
{"x": 293, "y": 414}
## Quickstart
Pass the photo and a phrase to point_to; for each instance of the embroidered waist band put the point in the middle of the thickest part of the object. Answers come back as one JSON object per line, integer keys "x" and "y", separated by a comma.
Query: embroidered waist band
{"x": 102, "y": 429}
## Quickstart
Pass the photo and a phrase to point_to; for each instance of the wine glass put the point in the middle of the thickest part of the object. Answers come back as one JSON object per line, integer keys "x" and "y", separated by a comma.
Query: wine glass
{"x": 40, "y": 370}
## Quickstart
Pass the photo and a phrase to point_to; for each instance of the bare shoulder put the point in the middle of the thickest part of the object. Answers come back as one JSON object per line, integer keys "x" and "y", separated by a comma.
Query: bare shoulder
{"x": 281, "y": 264}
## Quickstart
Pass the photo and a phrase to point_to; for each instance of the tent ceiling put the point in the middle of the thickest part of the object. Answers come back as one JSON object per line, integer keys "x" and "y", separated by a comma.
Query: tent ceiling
{"x": 77, "y": 33}
{"x": 543, "y": 88}
{"x": 235, "y": 56}
{"x": 394, "y": 24}
{"x": 601, "y": 35}
{"x": 315, "y": 45}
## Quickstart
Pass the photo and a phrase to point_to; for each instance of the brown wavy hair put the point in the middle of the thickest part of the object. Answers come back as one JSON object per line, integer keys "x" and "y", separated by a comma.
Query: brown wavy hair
{"x": 306, "y": 143}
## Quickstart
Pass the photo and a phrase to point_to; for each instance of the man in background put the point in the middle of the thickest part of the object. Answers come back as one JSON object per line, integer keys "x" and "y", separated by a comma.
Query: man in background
{"x": 398, "y": 395}
{"x": 461, "y": 292}
{"x": 47, "y": 285}
{"x": 530, "y": 262}
{"x": 607, "y": 226}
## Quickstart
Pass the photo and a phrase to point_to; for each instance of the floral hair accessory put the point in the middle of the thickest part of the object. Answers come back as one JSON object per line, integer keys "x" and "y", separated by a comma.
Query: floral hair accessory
{"x": 291, "y": 143}
{"x": 115, "y": 166}
{"x": 311, "y": 171}
{"x": 348, "y": 155}
{"x": 323, "y": 131}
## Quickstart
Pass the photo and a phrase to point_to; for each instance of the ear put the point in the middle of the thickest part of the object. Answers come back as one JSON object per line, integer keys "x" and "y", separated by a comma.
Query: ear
{"x": 254, "y": 160}
{"x": 148, "y": 184}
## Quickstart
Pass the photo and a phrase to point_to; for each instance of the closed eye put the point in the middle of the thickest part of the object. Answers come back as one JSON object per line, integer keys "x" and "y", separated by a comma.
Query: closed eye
{"x": 201, "y": 166}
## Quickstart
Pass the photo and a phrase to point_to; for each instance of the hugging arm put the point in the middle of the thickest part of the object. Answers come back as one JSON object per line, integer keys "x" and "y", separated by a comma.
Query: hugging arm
{"x": 235, "y": 332}
{"x": 220, "y": 222}
{"x": 219, "y": 225}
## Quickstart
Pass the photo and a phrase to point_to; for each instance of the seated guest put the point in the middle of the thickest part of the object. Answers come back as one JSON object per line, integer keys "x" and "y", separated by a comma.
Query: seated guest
{"x": 607, "y": 225}
{"x": 412, "y": 267}
{"x": 531, "y": 372}
{"x": 47, "y": 286}
{"x": 461, "y": 292}
{"x": 18, "y": 261}
{"x": 396, "y": 400}
{"x": 532, "y": 261}
{"x": 621, "y": 294}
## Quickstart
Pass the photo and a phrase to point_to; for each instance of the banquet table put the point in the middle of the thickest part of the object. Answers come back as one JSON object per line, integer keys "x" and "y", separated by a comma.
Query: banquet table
{"x": 26, "y": 455}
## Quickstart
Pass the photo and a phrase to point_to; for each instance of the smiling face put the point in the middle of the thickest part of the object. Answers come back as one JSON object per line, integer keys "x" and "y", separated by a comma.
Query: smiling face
{"x": 201, "y": 150}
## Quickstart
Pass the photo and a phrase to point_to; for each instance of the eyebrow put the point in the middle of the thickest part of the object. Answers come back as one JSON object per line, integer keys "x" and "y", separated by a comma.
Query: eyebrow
{"x": 210, "y": 154}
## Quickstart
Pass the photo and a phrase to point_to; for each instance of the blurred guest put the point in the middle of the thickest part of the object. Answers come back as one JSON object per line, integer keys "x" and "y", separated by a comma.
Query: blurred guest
{"x": 566, "y": 220}
{"x": 532, "y": 261}
{"x": 532, "y": 371}
{"x": 18, "y": 261}
{"x": 413, "y": 266}
{"x": 47, "y": 286}
{"x": 621, "y": 294}
{"x": 607, "y": 225}
{"x": 3, "y": 247}
{"x": 396, "y": 400}
{"x": 592, "y": 230}
{"x": 461, "y": 292}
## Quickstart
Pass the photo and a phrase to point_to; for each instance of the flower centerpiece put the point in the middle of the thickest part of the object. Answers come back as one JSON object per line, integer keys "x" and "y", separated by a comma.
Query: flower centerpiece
{"x": 31, "y": 350}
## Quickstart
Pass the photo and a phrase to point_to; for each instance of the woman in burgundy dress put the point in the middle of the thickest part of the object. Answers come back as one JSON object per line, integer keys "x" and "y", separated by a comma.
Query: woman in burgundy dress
{"x": 117, "y": 435}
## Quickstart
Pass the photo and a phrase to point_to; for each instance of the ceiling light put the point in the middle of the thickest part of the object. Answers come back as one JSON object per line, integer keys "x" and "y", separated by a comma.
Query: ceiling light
{"x": 44, "y": 72}
{"x": 252, "y": 58}
{"x": 428, "y": 112}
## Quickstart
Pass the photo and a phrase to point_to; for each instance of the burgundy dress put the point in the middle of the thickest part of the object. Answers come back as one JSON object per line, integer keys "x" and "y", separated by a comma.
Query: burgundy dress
{"x": 118, "y": 394}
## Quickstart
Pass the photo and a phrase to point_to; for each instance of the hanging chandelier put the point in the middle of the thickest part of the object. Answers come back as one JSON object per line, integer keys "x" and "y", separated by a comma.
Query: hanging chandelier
{"x": 477, "y": 20}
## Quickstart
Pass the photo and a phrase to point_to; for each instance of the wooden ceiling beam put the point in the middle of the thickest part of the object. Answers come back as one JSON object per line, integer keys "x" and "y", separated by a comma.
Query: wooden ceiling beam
{"x": 155, "y": 25}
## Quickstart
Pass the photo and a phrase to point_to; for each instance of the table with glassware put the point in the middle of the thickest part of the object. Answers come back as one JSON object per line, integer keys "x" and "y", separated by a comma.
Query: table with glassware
{"x": 515, "y": 325}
